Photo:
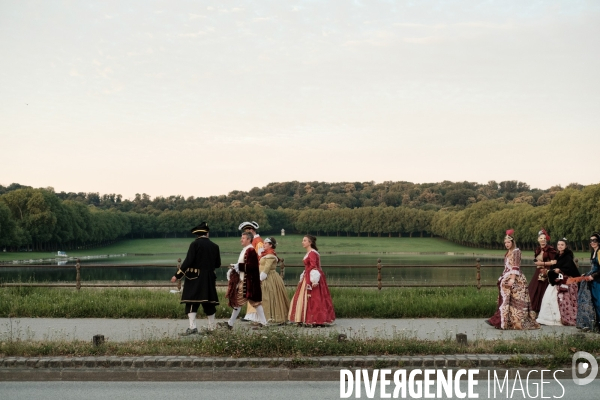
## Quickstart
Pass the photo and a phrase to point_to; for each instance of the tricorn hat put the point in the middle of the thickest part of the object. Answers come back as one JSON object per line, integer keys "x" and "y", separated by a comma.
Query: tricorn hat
{"x": 244, "y": 225}
{"x": 200, "y": 229}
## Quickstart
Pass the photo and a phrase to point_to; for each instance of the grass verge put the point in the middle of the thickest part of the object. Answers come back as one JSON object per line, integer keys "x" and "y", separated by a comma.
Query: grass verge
{"x": 297, "y": 343}
{"x": 463, "y": 302}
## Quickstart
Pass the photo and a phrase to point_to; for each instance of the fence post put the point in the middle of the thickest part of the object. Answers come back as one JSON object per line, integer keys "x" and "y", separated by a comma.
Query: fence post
{"x": 478, "y": 274}
{"x": 379, "y": 274}
{"x": 282, "y": 268}
{"x": 78, "y": 278}
{"x": 178, "y": 280}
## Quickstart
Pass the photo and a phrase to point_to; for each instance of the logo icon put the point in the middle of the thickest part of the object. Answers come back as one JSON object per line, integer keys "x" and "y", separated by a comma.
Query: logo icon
{"x": 583, "y": 367}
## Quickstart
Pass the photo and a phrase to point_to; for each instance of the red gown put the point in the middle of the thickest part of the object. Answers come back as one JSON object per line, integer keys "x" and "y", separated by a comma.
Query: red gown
{"x": 537, "y": 288}
{"x": 311, "y": 303}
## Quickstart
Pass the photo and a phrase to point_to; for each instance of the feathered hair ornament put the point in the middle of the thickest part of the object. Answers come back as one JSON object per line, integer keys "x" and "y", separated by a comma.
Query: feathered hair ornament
{"x": 543, "y": 232}
{"x": 510, "y": 234}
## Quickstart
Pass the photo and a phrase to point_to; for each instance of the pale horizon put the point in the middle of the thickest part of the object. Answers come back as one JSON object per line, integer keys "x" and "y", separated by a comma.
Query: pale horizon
{"x": 206, "y": 98}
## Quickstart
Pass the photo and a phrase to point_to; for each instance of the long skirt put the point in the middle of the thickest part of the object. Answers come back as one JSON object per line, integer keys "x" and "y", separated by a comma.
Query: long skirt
{"x": 514, "y": 308}
{"x": 275, "y": 300}
{"x": 549, "y": 311}
{"x": 312, "y": 307}
{"x": 251, "y": 314}
{"x": 588, "y": 305}
{"x": 537, "y": 289}
{"x": 559, "y": 307}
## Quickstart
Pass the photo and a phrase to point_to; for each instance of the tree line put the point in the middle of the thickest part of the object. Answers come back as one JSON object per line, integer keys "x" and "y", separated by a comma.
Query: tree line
{"x": 41, "y": 219}
{"x": 328, "y": 196}
{"x": 573, "y": 214}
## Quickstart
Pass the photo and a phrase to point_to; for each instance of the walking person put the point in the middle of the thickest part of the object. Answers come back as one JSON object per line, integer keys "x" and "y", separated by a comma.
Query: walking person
{"x": 257, "y": 243}
{"x": 198, "y": 269}
{"x": 559, "y": 304}
{"x": 275, "y": 300}
{"x": 588, "y": 301}
{"x": 244, "y": 283}
{"x": 544, "y": 254}
{"x": 312, "y": 304}
{"x": 514, "y": 308}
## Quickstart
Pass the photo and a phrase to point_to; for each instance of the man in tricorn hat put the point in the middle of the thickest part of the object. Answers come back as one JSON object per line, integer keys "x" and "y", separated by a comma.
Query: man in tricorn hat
{"x": 244, "y": 283}
{"x": 257, "y": 243}
{"x": 198, "y": 268}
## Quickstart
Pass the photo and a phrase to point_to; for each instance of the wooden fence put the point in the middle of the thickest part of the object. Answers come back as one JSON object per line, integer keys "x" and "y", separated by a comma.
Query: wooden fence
{"x": 377, "y": 276}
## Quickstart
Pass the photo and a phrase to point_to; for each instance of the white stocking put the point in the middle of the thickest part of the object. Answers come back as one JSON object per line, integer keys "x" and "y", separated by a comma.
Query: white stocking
{"x": 234, "y": 315}
{"x": 261, "y": 315}
{"x": 192, "y": 317}
{"x": 211, "y": 321}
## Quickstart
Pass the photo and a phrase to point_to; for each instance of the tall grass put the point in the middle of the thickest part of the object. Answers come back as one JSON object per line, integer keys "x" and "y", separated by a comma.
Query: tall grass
{"x": 463, "y": 302}
{"x": 145, "y": 303}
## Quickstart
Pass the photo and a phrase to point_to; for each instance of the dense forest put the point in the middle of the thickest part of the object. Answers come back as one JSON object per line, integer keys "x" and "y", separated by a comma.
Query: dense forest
{"x": 464, "y": 212}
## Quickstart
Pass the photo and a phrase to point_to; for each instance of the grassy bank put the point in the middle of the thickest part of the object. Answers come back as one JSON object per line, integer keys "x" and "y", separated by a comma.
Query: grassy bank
{"x": 296, "y": 343}
{"x": 145, "y": 303}
{"x": 288, "y": 243}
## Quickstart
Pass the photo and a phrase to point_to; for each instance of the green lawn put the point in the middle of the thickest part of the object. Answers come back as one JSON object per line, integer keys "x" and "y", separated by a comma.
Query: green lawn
{"x": 286, "y": 244}
{"x": 33, "y": 302}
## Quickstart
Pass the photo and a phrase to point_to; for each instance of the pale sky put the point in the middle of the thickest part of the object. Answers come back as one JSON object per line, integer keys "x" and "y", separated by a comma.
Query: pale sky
{"x": 200, "y": 98}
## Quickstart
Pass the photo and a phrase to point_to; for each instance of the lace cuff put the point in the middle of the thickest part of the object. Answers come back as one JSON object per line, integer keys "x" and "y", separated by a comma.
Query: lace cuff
{"x": 315, "y": 276}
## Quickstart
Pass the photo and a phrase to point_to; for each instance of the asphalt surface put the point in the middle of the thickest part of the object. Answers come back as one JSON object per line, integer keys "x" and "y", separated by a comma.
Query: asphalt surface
{"x": 263, "y": 390}
{"x": 120, "y": 330}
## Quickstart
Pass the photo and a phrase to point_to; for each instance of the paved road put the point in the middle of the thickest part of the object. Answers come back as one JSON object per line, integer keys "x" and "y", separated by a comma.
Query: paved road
{"x": 119, "y": 330}
{"x": 249, "y": 390}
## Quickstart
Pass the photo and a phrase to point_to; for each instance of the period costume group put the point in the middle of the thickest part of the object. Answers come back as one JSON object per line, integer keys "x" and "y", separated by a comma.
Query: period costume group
{"x": 557, "y": 294}
{"x": 253, "y": 281}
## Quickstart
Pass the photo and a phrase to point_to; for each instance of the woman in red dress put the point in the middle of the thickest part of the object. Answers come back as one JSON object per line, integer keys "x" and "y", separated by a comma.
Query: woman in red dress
{"x": 311, "y": 304}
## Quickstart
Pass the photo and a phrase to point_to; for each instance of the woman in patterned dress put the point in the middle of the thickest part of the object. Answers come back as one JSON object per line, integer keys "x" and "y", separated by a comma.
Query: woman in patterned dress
{"x": 559, "y": 304}
{"x": 514, "y": 307}
{"x": 311, "y": 304}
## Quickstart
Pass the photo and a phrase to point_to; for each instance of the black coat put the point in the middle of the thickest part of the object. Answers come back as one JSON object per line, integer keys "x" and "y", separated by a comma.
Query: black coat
{"x": 566, "y": 265}
{"x": 198, "y": 268}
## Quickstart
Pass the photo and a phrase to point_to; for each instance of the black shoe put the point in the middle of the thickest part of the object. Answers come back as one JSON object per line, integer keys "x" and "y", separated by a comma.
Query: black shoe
{"x": 487, "y": 321}
{"x": 224, "y": 325}
{"x": 189, "y": 332}
{"x": 245, "y": 320}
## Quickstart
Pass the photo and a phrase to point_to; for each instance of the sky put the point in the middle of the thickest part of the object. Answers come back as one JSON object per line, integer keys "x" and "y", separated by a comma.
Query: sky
{"x": 200, "y": 98}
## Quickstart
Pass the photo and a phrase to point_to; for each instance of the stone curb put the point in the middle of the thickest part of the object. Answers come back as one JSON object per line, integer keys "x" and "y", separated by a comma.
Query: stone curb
{"x": 194, "y": 362}
{"x": 185, "y": 368}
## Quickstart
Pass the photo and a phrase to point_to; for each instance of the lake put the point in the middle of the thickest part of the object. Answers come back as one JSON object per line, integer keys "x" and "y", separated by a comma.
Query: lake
{"x": 340, "y": 269}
